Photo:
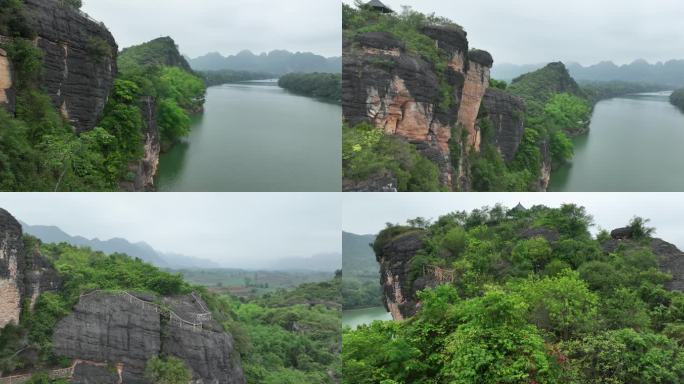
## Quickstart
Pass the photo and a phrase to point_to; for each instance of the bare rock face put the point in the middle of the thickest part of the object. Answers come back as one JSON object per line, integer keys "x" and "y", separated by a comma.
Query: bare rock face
{"x": 110, "y": 328}
{"x": 144, "y": 170}
{"x": 12, "y": 267}
{"x": 79, "y": 63}
{"x": 399, "y": 293}
{"x": 400, "y": 92}
{"x": 127, "y": 330}
{"x": 7, "y": 99}
{"x": 506, "y": 112}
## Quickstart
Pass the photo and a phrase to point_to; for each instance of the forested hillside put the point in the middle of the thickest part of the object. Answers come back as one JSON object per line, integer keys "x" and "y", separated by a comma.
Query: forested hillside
{"x": 677, "y": 99}
{"x": 361, "y": 272}
{"x": 523, "y": 296}
{"x": 76, "y": 123}
{"x": 161, "y": 329}
{"x": 324, "y": 86}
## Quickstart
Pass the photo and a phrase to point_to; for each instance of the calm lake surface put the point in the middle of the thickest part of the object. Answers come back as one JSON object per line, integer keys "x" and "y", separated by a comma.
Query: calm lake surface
{"x": 635, "y": 143}
{"x": 356, "y": 317}
{"x": 257, "y": 137}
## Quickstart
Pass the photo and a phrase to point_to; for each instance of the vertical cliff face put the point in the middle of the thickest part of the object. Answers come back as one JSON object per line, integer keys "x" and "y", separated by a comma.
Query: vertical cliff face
{"x": 6, "y": 91}
{"x": 506, "y": 113}
{"x": 399, "y": 292}
{"x": 24, "y": 273}
{"x": 399, "y": 91}
{"x": 128, "y": 329}
{"x": 143, "y": 171}
{"x": 12, "y": 266}
{"x": 79, "y": 63}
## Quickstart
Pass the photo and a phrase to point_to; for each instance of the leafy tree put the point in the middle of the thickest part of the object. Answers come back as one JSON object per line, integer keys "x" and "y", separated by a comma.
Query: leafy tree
{"x": 168, "y": 370}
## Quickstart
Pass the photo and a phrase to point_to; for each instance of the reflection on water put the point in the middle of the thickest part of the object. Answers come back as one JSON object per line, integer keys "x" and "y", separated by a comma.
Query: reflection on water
{"x": 257, "y": 137}
{"x": 634, "y": 144}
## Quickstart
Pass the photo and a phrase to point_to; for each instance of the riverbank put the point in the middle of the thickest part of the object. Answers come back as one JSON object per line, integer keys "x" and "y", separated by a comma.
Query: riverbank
{"x": 256, "y": 137}
{"x": 633, "y": 145}
{"x": 354, "y": 317}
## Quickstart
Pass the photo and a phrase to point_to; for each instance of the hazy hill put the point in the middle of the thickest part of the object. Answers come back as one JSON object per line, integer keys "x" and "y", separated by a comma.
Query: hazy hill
{"x": 141, "y": 250}
{"x": 358, "y": 256}
{"x": 670, "y": 73}
{"x": 325, "y": 262}
{"x": 276, "y": 62}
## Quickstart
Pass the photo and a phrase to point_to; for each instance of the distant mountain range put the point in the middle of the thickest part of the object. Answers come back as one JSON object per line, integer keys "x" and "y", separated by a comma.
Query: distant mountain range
{"x": 670, "y": 73}
{"x": 275, "y": 62}
{"x": 324, "y": 262}
{"x": 141, "y": 250}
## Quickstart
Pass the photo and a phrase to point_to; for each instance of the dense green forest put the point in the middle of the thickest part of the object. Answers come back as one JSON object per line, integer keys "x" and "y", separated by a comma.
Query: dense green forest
{"x": 325, "y": 86}
{"x": 600, "y": 90}
{"x": 228, "y": 76}
{"x": 559, "y": 307}
{"x": 360, "y": 288}
{"x": 677, "y": 99}
{"x": 39, "y": 150}
{"x": 286, "y": 336}
{"x": 289, "y": 336}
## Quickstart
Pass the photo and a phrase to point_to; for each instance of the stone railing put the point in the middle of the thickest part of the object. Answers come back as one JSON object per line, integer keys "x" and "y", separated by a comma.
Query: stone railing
{"x": 173, "y": 317}
{"x": 442, "y": 275}
{"x": 62, "y": 373}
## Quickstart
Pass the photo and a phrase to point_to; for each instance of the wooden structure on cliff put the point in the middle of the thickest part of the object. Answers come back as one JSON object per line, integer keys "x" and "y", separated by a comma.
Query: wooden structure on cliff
{"x": 377, "y": 5}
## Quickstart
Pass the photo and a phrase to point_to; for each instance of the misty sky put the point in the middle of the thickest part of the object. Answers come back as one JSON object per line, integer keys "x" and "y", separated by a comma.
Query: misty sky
{"x": 239, "y": 230}
{"x": 225, "y": 26}
{"x": 584, "y": 31}
{"x": 365, "y": 213}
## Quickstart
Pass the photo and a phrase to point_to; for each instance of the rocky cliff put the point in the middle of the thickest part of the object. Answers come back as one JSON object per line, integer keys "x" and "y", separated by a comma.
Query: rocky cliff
{"x": 24, "y": 273}
{"x": 507, "y": 116}
{"x": 145, "y": 169}
{"x": 128, "y": 329}
{"x": 12, "y": 267}
{"x": 437, "y": 110}
{"x": 79, "y": 62}
{"x": 6, "y": 81}
{"x": 400, "y": 283}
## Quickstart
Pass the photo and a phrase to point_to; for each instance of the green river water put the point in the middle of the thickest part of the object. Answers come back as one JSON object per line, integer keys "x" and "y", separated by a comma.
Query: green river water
{"x": 635, "y": 144}
{"x": 355, "y": 317}
{"x": 257, "y": 137}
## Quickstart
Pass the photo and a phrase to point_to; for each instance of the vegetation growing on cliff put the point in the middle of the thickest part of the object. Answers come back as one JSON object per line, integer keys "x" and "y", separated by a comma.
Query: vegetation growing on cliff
{"x": 677, "y": 99}
{"x": 535, "y": 298}
{"x": 286, "y": 336}
{"x": 39, "y": 150}
{"x": 368, "y": 153}
{"x": 326, "y": 86}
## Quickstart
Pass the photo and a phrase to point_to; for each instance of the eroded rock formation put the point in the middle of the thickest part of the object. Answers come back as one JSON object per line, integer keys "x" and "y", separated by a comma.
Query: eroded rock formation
{"x": 506, "y": 113}
{"x": 399, "y": 292}
{"x": 6, "y": 92}
{"x": 127, "y": 329}
{"x": 79, "y": 62}
{"x": 388, "y": 86}
{"x": 145, "y": 169}
{"x": 12, "y": 267}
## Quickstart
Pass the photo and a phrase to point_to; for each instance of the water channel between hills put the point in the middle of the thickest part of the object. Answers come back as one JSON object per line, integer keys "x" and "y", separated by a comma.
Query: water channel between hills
{"x": 257, "y": 137}
{"x": 635, "y": 143}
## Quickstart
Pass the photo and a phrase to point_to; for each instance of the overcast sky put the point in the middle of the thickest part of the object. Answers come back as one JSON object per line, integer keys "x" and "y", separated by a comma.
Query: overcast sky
{"x": 584, "y": 31}
{"x": 225, "y": 26}
{"x": 240, "y": 230}
{"x": 365, "y": 213}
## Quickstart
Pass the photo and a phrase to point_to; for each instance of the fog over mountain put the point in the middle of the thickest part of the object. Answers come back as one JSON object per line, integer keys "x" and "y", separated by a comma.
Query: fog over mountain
{"x": 232, "y": 230}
